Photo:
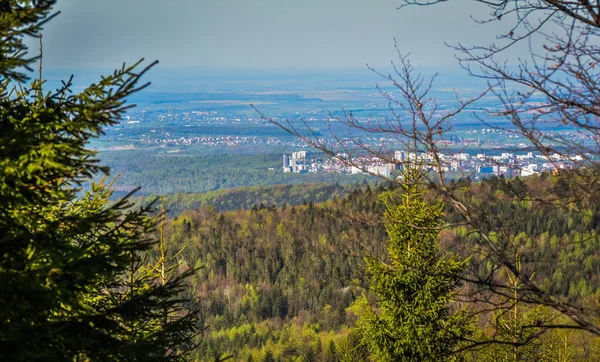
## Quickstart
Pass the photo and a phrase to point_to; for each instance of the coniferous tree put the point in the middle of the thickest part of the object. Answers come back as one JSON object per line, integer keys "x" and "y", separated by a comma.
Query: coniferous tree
{"x": 269, "y": 357}
{"x": 71, "y": 283}
{"x": 412, "y": 319}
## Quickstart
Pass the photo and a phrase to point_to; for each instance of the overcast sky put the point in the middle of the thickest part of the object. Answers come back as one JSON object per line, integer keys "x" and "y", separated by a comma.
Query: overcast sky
{"x": 259, "y": 33}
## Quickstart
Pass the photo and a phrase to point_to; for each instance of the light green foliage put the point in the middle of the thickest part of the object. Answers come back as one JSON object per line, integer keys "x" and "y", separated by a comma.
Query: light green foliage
{"x": 252, "y": 272}
{"x": 288, "y": 343}
{"x": 518, "y": 340}
{"x": 412, "y": 319}
{"x": 72, "y": 286}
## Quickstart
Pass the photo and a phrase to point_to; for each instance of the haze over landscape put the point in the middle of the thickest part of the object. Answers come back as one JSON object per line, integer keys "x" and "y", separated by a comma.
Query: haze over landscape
{"x": 260, "y": 34}
{"x": 319, "y": 180}
{"x": 290, "y": 60}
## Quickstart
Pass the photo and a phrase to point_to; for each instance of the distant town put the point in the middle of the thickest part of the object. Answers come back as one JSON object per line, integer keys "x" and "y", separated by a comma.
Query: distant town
{"x": 507, "y": 164}
{"x": 213, "y": 129}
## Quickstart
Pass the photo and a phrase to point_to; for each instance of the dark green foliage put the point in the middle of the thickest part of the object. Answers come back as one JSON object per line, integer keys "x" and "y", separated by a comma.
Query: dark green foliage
{"x": 413, "y": 320}
{"x": 248, "y": 197}
{"x": 72, "y": 286}
{"x": 559, "y": 244}
{"x": 269, "y": 357}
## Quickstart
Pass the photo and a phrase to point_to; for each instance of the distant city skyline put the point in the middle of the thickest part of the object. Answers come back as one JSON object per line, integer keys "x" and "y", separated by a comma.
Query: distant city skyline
{"x": 260, "y": 33}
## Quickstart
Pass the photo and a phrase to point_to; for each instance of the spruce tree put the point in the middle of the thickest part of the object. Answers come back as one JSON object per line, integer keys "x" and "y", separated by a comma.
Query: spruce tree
{"x": 72, "y": 282}
{"x": 412, "y": 319}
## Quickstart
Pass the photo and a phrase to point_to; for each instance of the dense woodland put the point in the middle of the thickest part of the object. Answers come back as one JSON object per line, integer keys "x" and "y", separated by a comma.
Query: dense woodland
{"x": 280, "y": 282}
{"x": 252, "y": 197}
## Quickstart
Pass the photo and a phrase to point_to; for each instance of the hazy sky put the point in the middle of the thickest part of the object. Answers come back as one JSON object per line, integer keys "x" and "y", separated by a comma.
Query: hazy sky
{"x": 259, "y": 33}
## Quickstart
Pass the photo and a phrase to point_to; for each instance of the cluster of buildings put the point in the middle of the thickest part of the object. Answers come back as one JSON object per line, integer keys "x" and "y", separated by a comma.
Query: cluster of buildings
{"x": 229, "y": 141}
{"x": 299, "y": 162}
{"x": 506, "y": 163}
{"x": 167, "y": 140}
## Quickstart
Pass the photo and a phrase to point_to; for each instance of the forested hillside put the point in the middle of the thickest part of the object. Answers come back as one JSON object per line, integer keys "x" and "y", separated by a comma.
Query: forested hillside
{"x": 250, "y": 197}
{"x": 281, "y": 282}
